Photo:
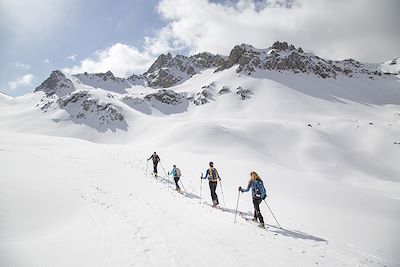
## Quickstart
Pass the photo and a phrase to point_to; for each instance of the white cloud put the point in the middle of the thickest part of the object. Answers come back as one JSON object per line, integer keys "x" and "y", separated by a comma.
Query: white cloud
{"x": 363, "y": 29}
{"x": 32, "y": 18}
{"x": 121, "y": 59}
{"x": 46, "y": 61}
{"x": 21, "y": 65}
{"x": 72, "y": 57}
{"x": 22, "y": 81}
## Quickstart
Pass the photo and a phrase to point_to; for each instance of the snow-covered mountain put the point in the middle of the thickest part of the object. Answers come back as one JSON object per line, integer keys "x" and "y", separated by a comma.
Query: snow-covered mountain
{"x": 323, "y": 135}
{"x": 173, "y": 71}
{"x": 391, "y": 66}
{"x": 283, "y": 57}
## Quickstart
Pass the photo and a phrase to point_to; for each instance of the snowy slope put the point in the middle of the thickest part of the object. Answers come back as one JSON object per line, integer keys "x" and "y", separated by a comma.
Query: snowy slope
{"x": 75, "y": 191}
{"x": 391, "y": 66}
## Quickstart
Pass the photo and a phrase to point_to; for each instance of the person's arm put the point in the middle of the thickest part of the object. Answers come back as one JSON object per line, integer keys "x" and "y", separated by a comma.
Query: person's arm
{"x": 205, "y": 177}
{"x": 217, "y": 174}
{"x": 248, "y": 188}
{"x": 150, "y": 157}
{"x": 263, "y": 192}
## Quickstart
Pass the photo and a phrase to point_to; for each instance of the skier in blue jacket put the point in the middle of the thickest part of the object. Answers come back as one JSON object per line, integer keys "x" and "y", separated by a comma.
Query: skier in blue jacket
{"x": 176, "y": 173}
{"x": 258, "y": 193}
{"x": 213, "y": 178}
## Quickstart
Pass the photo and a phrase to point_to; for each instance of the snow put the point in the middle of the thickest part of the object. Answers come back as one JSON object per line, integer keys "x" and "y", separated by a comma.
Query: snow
{"x": 391, "y": 66}
{"x": 73, "y": 194}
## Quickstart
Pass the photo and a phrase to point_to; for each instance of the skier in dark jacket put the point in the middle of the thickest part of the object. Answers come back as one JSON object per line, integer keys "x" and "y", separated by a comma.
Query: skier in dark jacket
{"x": 156, "y": 160}
{"x": 213, "y": 178}
{"x": 258, "y": 193}
{"x": 176, "y": 173}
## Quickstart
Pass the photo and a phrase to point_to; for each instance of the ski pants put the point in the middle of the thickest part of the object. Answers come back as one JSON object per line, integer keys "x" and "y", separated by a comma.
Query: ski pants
{"x": 213, "y": 188}
{"x": 257, "y": 212}
{"x": 155, "y": 163}
{"x": 176, "y": 179}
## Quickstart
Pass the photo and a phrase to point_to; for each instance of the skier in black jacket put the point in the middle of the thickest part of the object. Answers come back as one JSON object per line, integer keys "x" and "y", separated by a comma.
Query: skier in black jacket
{"x": 156, "y": 159}
{"x": 213, "y": 178}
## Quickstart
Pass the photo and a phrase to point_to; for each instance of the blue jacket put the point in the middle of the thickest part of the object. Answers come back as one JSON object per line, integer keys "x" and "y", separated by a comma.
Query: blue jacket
{"x": 212, "y": 175}
{"x": 173, "y": 172}
{"x": 257, "y": 189}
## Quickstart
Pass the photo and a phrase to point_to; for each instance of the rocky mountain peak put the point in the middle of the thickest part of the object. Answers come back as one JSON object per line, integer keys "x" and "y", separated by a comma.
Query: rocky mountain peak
{"x": 170, "y": 70}
{"x": 161, "y": 62}
{"x": 284, "y": 46}
{"x": 57, "y": 84}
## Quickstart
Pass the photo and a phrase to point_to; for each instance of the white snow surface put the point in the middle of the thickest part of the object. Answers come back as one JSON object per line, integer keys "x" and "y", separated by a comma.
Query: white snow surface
{"x": 73, "y": 193}
{"x": 391, "y": 66}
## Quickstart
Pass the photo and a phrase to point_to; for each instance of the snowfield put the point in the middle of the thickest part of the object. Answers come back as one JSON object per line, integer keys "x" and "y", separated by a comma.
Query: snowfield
{"x": 74, "y": 192}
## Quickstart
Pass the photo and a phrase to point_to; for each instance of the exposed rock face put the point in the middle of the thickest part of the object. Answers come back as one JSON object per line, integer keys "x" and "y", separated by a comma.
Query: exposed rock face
{"x": 136, "y": 80}
{"x": 241, "y": 54}
{"x": 224, "y": 90}
{"x": 168, "y": 97}
{"x": 168, "y": 71}
{"x": 57, "y": 84}
{"x": 243, "y": 93}
{"x": 92, "y": 111}
{"x": 204, "y": 96}
{"x": 284, "y": 57}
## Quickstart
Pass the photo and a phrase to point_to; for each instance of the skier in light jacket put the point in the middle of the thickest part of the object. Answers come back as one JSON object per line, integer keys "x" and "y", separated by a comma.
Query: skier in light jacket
{"x": 175, "y": 172}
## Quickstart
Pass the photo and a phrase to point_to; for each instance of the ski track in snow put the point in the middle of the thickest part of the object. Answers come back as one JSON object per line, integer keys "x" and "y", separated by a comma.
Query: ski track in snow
{"x": 173, "y": 229}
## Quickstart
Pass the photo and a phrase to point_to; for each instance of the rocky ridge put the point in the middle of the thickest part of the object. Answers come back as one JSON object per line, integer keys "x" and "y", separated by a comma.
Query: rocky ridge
{"x": 283, "y": 57}
{"x": 103, "y": 109}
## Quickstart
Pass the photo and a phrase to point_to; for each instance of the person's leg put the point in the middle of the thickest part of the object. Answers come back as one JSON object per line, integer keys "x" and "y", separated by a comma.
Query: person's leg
{"x": 176, "y": 179}
{"x": 256, "y": 203}
{"x": 155, "y": 167}
{"x": 213, "y": 188}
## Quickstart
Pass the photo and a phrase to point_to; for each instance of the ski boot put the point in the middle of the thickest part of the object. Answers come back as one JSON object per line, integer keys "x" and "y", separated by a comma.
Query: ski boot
{"x": 262, "y": 225}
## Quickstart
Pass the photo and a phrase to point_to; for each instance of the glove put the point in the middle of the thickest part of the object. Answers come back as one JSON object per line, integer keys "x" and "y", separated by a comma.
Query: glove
{"x": 240, "y": 189}
{"x": 219, "y": 179}
{"x": 168, "y": 173}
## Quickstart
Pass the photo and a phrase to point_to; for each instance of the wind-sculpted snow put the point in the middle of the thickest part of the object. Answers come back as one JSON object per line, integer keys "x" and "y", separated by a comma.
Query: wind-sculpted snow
{"x": 106, "y": 81}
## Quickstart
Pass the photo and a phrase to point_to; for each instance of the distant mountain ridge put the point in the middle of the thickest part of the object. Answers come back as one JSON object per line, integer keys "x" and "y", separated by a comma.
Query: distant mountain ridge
{"x": 238, "y": 77}
{"x": 168, "y": 70}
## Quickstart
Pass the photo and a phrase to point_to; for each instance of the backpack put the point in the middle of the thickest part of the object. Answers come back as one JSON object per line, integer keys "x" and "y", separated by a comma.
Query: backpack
{"x": 260, "y": 190}
{"x": 178, "y": 172}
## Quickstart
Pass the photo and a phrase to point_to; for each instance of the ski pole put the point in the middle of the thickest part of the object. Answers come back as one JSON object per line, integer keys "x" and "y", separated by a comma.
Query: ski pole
{"x": 165, "y": 173}
{"x": 201, "y": 185}
{"x": 182, "y": 184}
{"x": 272, "y": 214}
{"x": 237, "y": 205}
{"x": 222, "y": 192}
{"x": 147, "y": 167}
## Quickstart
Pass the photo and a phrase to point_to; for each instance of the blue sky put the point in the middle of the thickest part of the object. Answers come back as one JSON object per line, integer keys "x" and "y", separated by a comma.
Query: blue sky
{"x": 38, "y": 36}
